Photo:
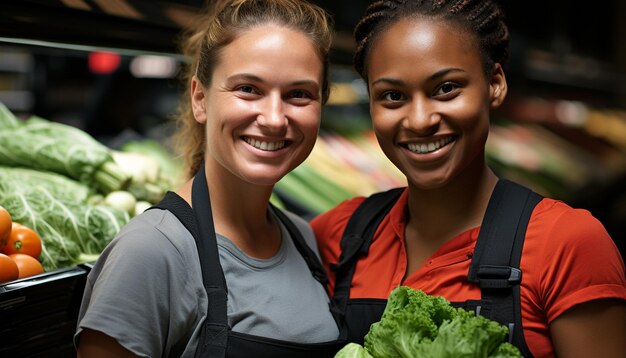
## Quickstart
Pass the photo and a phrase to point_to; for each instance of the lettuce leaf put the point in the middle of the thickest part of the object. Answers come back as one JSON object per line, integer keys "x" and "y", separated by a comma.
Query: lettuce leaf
{"x": 353, "y": 350}
{"x": 418, "y": 325}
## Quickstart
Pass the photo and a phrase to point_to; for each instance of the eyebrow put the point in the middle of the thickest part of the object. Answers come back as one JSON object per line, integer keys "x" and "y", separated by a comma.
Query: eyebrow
{"x": 255, "y": 78}
{"x": 440, "y": 73}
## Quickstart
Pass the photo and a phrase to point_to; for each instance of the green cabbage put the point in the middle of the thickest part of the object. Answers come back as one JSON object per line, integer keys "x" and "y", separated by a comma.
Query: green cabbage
{"x": 60, "y": 210}
{"x": 40, "y": 144}
{"x": 415, "y": 324}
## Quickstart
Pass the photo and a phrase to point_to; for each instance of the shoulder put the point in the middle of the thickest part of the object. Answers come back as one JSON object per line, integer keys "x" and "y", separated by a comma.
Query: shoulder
{"x": 573, "y": 257}
{"x": 151, "y": 263}
{"x": 153, "y": 245}
{"x": 559, "y": 220}
{"x": 155, "y": 233}
{"x": 332, "y": 222}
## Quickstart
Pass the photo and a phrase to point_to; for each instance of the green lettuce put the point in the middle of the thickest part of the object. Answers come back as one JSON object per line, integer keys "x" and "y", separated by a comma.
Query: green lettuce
{"x": 415, "y": 324}
{"x": 353, "y": 350}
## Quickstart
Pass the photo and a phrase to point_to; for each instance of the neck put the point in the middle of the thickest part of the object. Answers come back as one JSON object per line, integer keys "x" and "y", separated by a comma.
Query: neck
{"x": 442, "y": 213}
{"x": 241, "y": 213}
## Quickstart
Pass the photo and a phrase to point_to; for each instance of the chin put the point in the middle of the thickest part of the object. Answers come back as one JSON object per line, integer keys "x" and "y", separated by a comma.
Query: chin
{"x": 266, "y": 178}
{"x": 428, "y": 182}
{"x": 431, "y": 185}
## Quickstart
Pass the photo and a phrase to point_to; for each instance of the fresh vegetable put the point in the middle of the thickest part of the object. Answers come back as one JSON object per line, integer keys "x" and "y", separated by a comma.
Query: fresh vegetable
{"x": 170, "y": 169}
{"x": 141, "y": 167}
{"x": 41, "y": 144}
{"x": 19, "y": 178}
{"x": 291, "y": 186}
{"x": 27, "y": 265}
{"x": 8, "y": 269}
{"x": 149, "y": 192}
{"x": 122, "y": 200}
{"x": 5, "y": 227}
{"x": 141, "y": 206}
{"x": 23, "y": 240}
{"x": 415, "y": 324}
{"x": 61, "y": 211}
{"x": 353, "y": 350}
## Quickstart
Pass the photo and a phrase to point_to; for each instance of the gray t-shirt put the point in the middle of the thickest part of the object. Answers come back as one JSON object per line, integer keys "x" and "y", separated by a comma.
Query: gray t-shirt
{"x": 146, "y": 290}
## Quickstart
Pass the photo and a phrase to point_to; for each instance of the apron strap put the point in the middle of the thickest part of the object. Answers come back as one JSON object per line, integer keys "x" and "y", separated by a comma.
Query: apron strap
{"x": 495, "y": 265}
{"x": 355, "y": 242}
{"x": 214, "y": 336}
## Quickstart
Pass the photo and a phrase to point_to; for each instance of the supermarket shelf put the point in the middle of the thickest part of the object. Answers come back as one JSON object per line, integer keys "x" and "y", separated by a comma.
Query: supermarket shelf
{"x": 145, "y": 26}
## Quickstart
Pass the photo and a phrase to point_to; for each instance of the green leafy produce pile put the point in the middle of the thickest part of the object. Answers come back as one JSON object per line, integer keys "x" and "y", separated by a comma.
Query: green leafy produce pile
{"x": 75, "y": 192}
{"x": 417, "y": 325}
{"x": 61, "y": 211}
{"x": 40, "y": 144}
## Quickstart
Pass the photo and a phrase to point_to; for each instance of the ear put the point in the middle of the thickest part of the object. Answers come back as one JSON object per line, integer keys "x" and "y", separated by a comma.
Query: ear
{"x": 497, "y": 86}
{"x": 198, "y": 100}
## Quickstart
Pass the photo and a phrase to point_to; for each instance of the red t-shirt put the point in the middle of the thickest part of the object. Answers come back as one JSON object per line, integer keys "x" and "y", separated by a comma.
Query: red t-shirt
{"x": 568, "y": 258}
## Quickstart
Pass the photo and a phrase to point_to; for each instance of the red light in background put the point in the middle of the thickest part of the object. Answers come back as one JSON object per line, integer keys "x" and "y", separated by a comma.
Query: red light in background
{"x": 104, "y": 62}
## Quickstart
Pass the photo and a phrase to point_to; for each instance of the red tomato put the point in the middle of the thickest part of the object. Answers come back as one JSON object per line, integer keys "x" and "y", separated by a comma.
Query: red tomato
{"x": 27, "y": 265}
{"x": 8, "y": 269}
{"x": 23, "y": 240}
{"x": 5, "y": 227}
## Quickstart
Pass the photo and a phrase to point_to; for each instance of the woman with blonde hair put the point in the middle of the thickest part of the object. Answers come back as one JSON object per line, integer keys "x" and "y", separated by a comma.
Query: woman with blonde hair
{"x": 214, "y": 270}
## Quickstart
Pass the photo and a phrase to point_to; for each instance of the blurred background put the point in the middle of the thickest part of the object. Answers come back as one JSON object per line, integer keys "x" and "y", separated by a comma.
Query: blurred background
{"x": 111, "y": 67}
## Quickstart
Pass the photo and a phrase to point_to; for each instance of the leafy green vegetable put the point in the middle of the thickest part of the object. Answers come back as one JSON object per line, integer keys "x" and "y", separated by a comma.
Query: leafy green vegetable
{"x": 415, "y": 324}
{"x": 353, "y": 350}
{"x": 59, "y": 210}
{"x": 40, "y": 144}
{"x": 19, "y": 178}
{"x": 170, "y": 170}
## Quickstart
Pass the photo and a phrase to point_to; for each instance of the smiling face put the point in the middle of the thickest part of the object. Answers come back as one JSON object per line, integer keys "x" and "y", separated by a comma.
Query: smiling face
{"x": 262, "y": 108}
{"x": 430, "y": 100}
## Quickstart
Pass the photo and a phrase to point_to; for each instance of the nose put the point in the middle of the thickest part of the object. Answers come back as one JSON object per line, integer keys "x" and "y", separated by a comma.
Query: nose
{"x": 272, "y": 114}
{"x": 422, "y": 118}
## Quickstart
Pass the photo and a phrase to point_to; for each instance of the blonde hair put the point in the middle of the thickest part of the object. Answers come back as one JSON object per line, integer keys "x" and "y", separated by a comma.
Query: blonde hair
{"x": 220, "y": 26}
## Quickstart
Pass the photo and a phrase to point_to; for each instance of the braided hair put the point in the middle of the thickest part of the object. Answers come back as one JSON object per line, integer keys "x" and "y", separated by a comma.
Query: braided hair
{"x": 482, "y": 18}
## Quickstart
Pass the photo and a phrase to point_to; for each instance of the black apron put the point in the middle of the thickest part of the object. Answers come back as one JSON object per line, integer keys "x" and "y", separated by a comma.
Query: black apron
{"x": 494, "y": 266}
{"x": 216, "y": 338}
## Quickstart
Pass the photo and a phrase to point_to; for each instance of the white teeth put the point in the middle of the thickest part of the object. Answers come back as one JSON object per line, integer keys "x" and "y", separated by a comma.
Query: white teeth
{"x": 428, "y": 147}
{"x": 267, "y": 146}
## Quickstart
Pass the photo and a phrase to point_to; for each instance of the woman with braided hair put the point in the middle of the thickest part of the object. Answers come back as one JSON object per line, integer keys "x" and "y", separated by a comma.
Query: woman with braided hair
{"x": 551, "y": 273}
{"x": 214, "y": 270}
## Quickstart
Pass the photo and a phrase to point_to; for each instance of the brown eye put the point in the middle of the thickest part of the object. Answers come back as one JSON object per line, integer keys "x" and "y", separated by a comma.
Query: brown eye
{"x": 300, "y": 94}
{"x": 393, "y": 96}
{"x": 446, "y": 88}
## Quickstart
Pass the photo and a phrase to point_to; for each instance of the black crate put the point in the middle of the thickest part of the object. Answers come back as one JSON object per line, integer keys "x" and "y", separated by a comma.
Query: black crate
{"x": 38, "y": 314}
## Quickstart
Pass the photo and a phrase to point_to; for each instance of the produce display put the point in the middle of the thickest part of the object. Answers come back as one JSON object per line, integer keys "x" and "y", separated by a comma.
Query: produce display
{"x": 8, "y": 269}
{"x": 339, "y": 168}
{"x": 415, "y": 324}
{"x": 71, "y": 191}
{"x": 59, "y": 148}
{"x": 59, "y": 209}
{"x": 20, "y": 247}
